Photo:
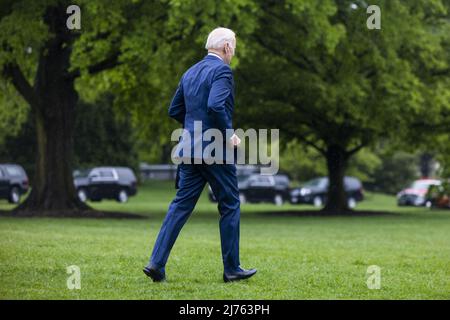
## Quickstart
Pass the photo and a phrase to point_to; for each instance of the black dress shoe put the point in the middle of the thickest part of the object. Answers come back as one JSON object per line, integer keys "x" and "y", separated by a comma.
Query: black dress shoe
{"x": 156, "y": 275}
{"x": 240, "y": 275}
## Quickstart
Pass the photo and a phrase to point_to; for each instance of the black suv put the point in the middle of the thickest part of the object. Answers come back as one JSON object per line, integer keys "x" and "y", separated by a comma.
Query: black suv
{"x": 13, "y": 182}
{"x": 315, "y": 192}
{"x": 100, "y": 183}
{"x": 261, "y": 188}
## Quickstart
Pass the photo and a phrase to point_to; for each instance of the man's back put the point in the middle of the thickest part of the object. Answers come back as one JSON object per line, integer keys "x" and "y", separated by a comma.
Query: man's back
{"x": 206, "y": 94}
{"x": 206, "y": 91}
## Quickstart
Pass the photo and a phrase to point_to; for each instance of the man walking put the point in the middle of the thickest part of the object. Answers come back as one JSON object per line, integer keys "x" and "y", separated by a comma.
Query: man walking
{"x": 206, "y": 94}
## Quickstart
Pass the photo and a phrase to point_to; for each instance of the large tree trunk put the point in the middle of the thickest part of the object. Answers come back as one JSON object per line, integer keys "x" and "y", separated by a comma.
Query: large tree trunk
{"x": 54, "y": 116}
{"x": 336, "y": 157}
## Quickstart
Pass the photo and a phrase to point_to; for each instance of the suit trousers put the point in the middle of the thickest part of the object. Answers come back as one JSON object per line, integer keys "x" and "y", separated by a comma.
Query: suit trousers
{"x": 192, "y": 179}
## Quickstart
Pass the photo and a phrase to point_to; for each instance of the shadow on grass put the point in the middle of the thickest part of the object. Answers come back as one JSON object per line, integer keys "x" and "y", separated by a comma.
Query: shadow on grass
{"x": 410, "y": 215}
{"x": 91, "y": 214}
{"x": 320, "y": 213}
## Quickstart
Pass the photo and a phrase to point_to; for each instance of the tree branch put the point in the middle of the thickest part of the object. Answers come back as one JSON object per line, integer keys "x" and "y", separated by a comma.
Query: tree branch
{"x": 437, "y": 73}
{"x": 312, "y": 144}
{"x": 307, "y": 141}
{"x": 442, "y": 127}
{"x": 108, "y": 63}
{"x": 274, "y": 50}
{"x": 13, "y": 72}
{"x": 355, "y": 149}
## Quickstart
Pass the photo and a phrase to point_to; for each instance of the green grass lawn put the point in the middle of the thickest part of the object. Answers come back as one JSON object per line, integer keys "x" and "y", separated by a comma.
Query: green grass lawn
{"x": 296, "y": 257}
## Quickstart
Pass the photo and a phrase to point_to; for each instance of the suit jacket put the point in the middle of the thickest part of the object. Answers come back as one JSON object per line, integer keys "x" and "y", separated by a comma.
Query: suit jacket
{"x": 205, "y": 93}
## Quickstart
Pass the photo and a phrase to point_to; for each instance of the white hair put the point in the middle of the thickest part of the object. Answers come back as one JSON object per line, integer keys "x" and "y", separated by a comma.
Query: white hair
{"x": 218, "y": 37}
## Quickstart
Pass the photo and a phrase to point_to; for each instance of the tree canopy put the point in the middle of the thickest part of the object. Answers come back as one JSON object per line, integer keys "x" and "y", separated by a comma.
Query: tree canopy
{"x": 341, "y": 86}
{"x": 310, "y": 68}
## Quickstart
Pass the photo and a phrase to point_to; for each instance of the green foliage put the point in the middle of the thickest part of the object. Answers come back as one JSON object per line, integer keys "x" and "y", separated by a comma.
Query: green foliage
{"x": 157, "y": 41}
{"x": 364, "y": 166}
{"x": 310, "y": 68}
{"x": 148, "y": 44}
{"x": 13, "y": 111}
{"x": 381, "y": 170}
{"x": 23, "y": 34}
{"x": 321, "y": 76}
{"x": 101, "y": 138}
{"x": 302, "y": 163}
{"x": 440, "y": 195}
{"x": 442, "y": 146}
{"x": 19, "y": 146}
{"x": 397, "y": 171}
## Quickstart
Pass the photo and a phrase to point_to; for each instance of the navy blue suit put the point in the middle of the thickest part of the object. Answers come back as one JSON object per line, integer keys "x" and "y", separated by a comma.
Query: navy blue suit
{"x": 205, "y": 93}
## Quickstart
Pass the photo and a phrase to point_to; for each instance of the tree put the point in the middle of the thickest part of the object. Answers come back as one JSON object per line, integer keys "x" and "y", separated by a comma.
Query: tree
{"x": 324, "y": 78}
{"x": 100, "y": 138}
{"x": 301, "y": 162}
{"x": 103, "y": 138}
{"x": 397, "y": 170}
{"x": 41, "y": 31}
{"x": 135, "y": 49}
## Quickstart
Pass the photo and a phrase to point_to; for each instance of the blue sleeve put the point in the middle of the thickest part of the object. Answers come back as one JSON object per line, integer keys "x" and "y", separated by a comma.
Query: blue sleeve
{"x": 221, "y": 88}
{"x": 177, "y": 109}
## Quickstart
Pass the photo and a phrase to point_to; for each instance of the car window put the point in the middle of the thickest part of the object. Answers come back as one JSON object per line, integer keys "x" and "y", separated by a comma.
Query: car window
{"x": 126, "y": 174}
{"x": 352, "y": 183}
{"x": 106, "y": 174}
{"x": 315, "y": 183}
{"x": 103, "y": 174}
{"x": 94, "y": 173}
{"x": 81, "y": 173}
{"x": 281, "y": 179}
{"x": 261, "y": 181}
{"x": 13, "y": 171}
{"x": 264, "y": 180}
{"x": 253, "y": 179}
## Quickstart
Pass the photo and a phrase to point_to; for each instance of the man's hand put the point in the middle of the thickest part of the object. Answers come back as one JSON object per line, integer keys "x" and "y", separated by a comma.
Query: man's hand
{"x": 235, "y": 141}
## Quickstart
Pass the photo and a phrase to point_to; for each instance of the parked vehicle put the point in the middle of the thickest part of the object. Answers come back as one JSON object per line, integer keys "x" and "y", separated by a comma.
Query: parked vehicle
{"x": 315, "y": 192}
{"x": 100, "y": 183}
{"x": 257, "y": 188}
{"x": 438, "y": 196}
{"x": 415, "y": 194}
{"x": 13, "y": 182}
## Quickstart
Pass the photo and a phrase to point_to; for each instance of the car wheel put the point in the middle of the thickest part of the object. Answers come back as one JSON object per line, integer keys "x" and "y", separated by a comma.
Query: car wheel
{"x": 122, "y": 197}
{"x": 242, "y": 198}
{"x": 14, "y": 196}
{"x": 278, "y": 200}
{"x": 82, "y": 195}
{"x": 351, "y": 202}
{"x": 317, "y": 201}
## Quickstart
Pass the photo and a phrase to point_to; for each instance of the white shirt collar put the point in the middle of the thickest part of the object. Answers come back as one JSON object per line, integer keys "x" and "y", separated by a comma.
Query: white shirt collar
{"x": 215, "y": 55}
